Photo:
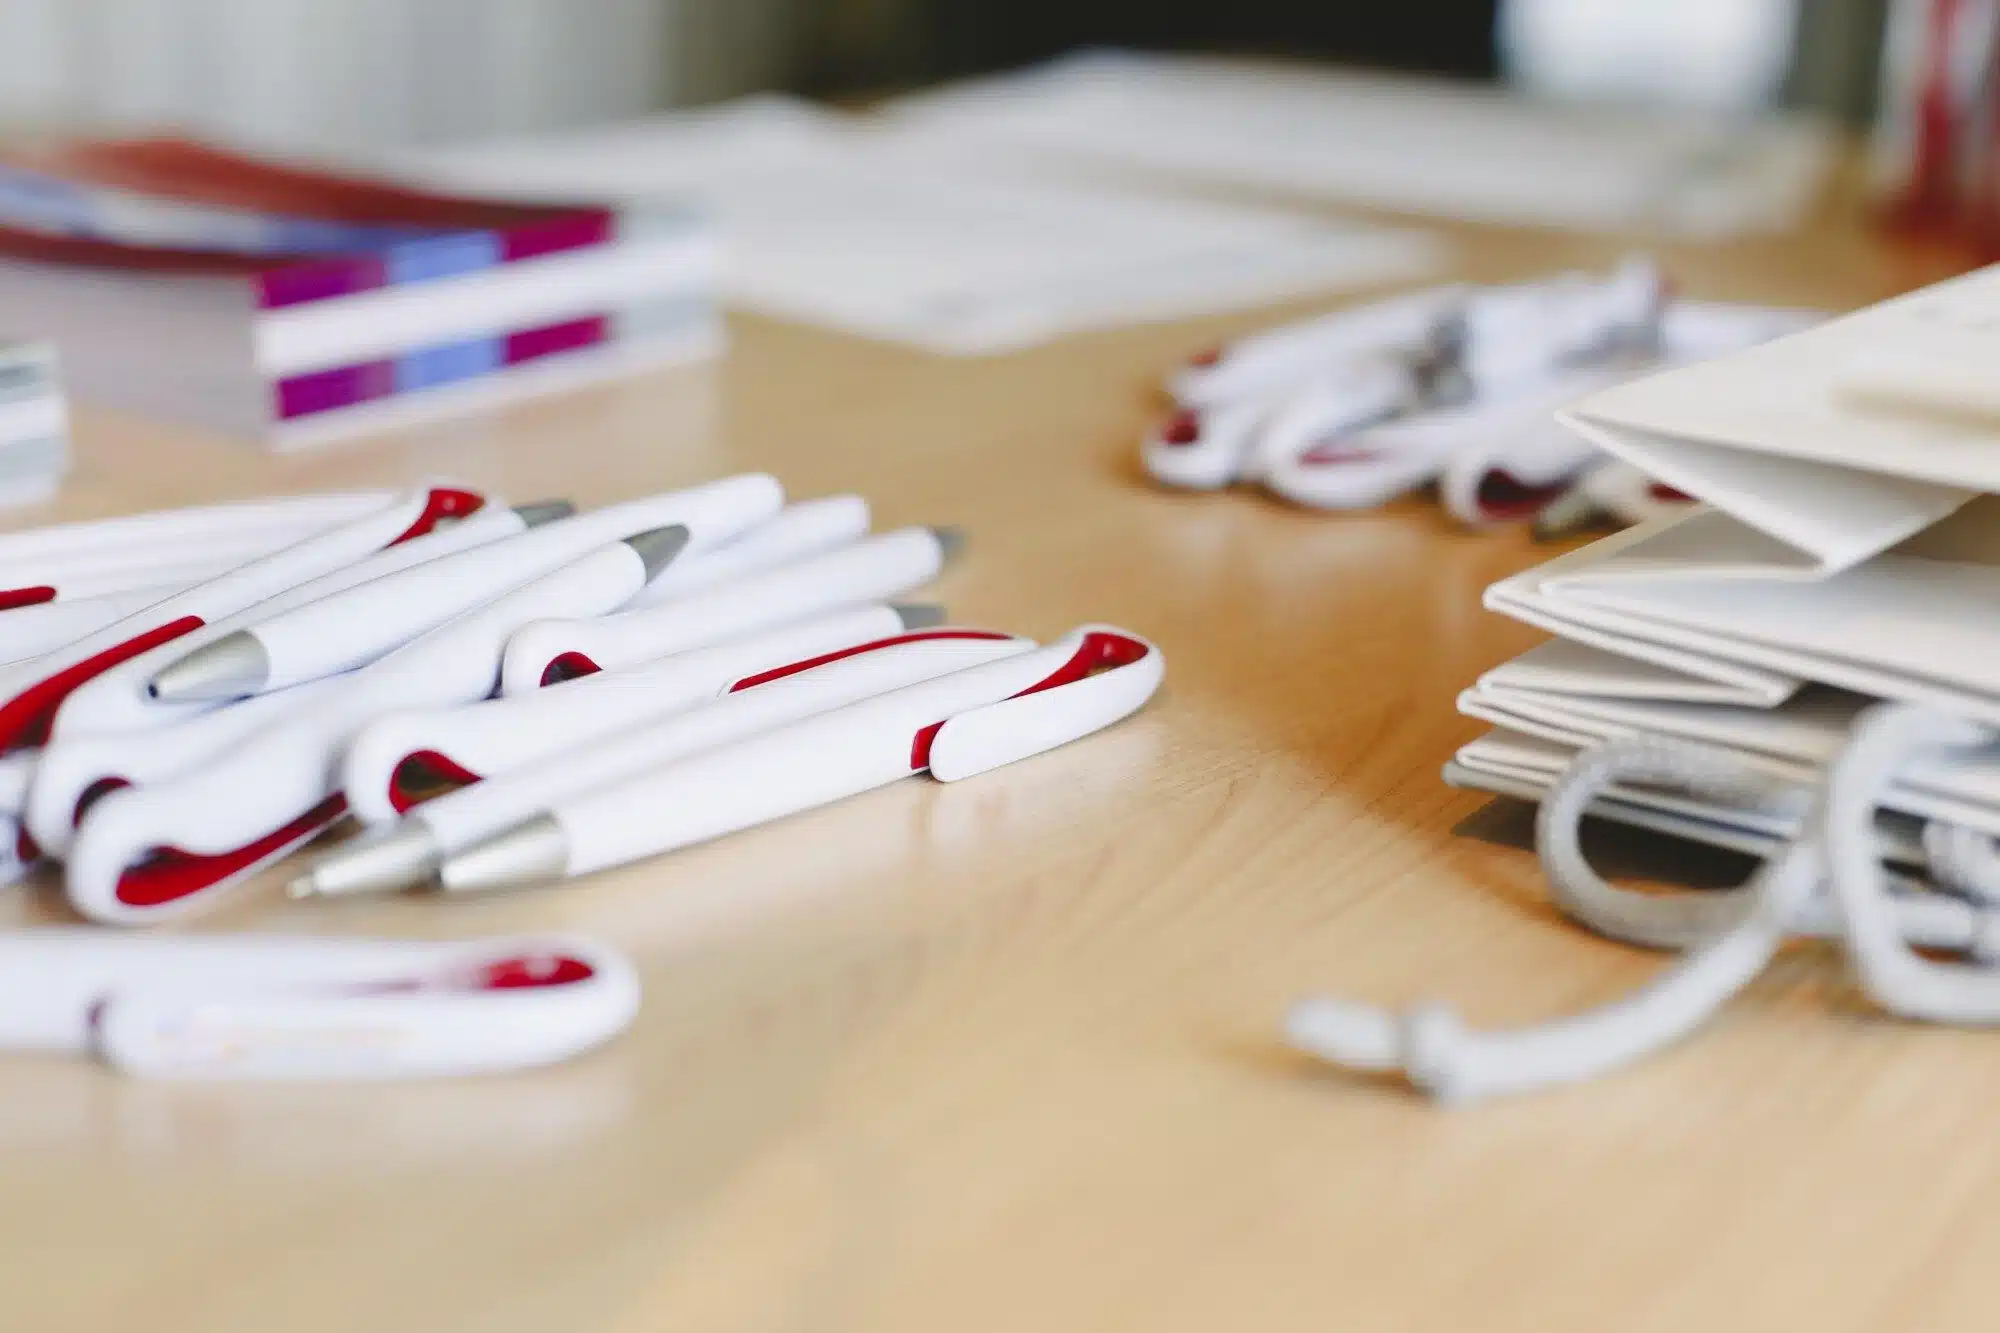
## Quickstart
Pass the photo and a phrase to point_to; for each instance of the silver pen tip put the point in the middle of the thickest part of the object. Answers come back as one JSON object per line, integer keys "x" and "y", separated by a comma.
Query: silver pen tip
{"x": 537, "y": 512}
{"x": 533, "y": 852}
{"x": 918, "y": 615}
{"x": 401, "y": 858}
{"x": 227, "y": 668}
{"x": 657, "y": 547}
{"x": 950, "y": 540}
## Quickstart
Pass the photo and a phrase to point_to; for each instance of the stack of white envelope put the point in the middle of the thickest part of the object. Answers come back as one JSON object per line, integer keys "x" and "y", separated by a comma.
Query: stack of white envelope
{"x": 1849, "y": 551}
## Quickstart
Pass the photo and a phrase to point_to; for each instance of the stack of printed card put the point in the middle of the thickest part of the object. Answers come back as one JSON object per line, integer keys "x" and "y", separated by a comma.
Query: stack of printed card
{"x": 1849, "y": 551}
{"x": 34, "y": 425}
{"x": 289, "y": 304}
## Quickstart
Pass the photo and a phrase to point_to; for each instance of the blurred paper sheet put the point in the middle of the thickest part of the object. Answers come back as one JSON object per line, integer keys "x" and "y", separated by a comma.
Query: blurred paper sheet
{"x": 827, "y": 221}
{"x": 1416, "y": 145}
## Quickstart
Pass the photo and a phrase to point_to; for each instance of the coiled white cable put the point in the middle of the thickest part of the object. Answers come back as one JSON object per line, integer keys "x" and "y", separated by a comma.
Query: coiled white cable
{"x": 1828, "y": 882}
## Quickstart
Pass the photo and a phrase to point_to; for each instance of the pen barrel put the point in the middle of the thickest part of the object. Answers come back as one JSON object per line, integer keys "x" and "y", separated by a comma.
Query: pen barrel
{"x": 52, "y": 979}
{"x": 120, "y": 700}
{"x": 798, "y": 531}
{"x": 361, "y": 623}
{"x": 498, "y": 736}
{"x": 31, "y": 631}
{"x": 1271, "y": 362}
{"x": 868, "y": 571}
{"x": 267, "y": 524}
{"x": 783, "y": 771}
{"x": 304, "y": 1036}
{"x": 90, "y": 574}
{"x": 72, "y": 766}
{"x": 277, "y": 779}
{"x": 17, "y": 773}
{"x": 32, "y": 691}
{"x": 467, "y": 816}
{"x": 717, "y": 793}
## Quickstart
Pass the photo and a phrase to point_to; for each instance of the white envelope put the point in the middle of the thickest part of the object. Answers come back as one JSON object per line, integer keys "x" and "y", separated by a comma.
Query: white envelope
{"x": 1842, "y": 545}
{"x": 1791, "y": 743}
{"x": 1919, "y": 623}
{"x": 1849, "y": 551}
{"x": 1562, "y": 666}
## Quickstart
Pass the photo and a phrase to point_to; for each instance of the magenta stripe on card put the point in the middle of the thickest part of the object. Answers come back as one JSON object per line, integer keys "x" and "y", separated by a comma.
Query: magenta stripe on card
{"x": 553, "y": 338}
{"x": 593, "y": 226}
{"x": 325, "y": 390}
{"x": 320, "y": 280}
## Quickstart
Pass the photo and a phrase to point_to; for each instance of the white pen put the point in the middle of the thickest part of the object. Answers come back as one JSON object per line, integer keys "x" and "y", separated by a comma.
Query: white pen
{"x": 31, "y": 691}
{"x": 17, "y": 849}
{"x": 1515, "y": 457}
{"x": 868, "y": 571}
{"x": 1611, "y": 491}
{"x": 273, "y": 1007}
{"x": 956, "y": 726}
{"x": 16, "y": 855}
{"x": 1510, "y": 336}
{"x": 395, "y": 757}
{"x": 1205, "y": 449}
{"x": 147, "y": 853}
{"x": 1349, "y": 468}
{"x": 1243, "y": 441}
{"x": 250, "y": 528}
{"x": 355, "y": 626}
{"x": 1366, "y": 467}
{"x": 411, "y": 851}
{"x": 810, "y": 527}
{"x": 66, "y": 578}
{"x": 1280, "y": 359}
{"x": 118, "y": 699}
{"x": 1515, "y": 474}
{"x": 29, "y": 631}
{"x": 73, "y": 771}
{"x": 17, "y": 771}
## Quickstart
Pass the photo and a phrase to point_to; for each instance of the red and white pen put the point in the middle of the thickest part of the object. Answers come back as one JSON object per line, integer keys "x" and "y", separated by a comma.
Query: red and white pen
{"x": 1279, "y": 360}
{"x": 411, "y": 851}
{"x": 152, "y": 852}
{"x": 796, "y": 532}
{"x": 355, "y": 625}
{"x": 309, "y": 1007}
{"x": 393, "y": 760}
{"x": 954, "y": 726}
{"x": 31, "y": 691}
{"x": 120, "y": 699}
{"x": 85, "y": 559}
{"x": 873, "y": 570}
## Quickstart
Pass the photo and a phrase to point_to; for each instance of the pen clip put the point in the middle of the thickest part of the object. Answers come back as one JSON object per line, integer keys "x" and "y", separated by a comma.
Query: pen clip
{"x": 1109, "y": 675}
{"x": 443, "y": 503}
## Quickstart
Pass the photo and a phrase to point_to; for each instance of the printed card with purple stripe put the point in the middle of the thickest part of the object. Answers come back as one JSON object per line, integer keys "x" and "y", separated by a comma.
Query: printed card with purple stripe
{"x": 294, "y": 235}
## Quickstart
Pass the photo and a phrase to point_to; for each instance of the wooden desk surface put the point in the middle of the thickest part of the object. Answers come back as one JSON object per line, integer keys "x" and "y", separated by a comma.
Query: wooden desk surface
{"x": 1000, "y": 1056}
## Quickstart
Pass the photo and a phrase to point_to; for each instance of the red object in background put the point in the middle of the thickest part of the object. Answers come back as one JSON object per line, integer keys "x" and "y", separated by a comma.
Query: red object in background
{"x": 1941, "y": 86}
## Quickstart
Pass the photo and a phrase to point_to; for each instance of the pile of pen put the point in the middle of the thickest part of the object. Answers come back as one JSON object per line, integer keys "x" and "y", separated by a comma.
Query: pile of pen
{"x": 1452, "y": 386}
{"x": 500, "y": 696}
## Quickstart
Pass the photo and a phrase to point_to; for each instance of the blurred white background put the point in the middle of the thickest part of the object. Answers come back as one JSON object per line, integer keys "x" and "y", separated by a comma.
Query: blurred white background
{"x": 333, "y": 75}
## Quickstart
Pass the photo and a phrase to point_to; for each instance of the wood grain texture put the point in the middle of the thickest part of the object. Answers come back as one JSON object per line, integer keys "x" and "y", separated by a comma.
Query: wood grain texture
{"x": 1000, "y": 1056}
